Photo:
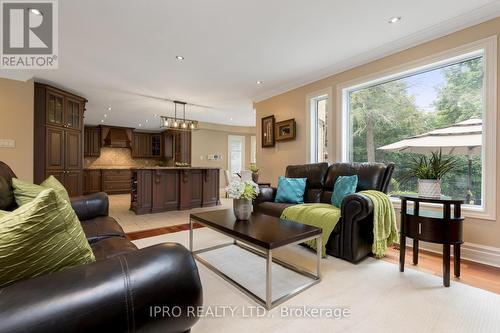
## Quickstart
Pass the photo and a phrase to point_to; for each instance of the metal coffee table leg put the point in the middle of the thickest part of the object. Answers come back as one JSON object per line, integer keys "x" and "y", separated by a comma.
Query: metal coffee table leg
{"x": 269, "y": 279}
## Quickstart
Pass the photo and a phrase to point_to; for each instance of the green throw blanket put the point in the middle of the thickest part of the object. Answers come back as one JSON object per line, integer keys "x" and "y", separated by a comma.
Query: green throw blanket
{"x": 385, "y": 231}
{"x": 326, "y": 217}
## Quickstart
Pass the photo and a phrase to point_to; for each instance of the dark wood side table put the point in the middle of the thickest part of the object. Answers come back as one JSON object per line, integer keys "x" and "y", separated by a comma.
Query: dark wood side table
{"x": 435, "y": 227}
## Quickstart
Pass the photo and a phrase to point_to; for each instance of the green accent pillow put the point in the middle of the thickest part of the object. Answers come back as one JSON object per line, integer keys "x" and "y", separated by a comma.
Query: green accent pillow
{"x": 41, "y": 237}
{"x": 344, "y": 185}
{"x": 26, "y": 192}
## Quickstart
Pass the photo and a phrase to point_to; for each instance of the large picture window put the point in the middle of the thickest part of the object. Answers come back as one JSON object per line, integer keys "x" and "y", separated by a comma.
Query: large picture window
{"x": 441, "y": 107}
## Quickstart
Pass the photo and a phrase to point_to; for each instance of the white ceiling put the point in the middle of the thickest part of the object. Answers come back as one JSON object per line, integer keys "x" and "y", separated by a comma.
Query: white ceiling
{"x": 117, "y": 52}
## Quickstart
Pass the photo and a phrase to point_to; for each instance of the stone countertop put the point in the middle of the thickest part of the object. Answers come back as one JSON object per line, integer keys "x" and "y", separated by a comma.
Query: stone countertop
{"x": 175, "y": 168}
{"x": 108, "y": 168}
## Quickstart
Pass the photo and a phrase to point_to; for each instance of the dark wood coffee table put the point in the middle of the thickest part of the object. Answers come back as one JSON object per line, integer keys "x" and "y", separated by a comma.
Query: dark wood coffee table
{"x": 263, "y": 234}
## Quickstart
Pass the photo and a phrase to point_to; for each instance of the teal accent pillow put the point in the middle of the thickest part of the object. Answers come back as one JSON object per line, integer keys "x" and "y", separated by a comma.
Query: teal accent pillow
{"x": 290, "y": 190}
{"x": 344, "y": 185}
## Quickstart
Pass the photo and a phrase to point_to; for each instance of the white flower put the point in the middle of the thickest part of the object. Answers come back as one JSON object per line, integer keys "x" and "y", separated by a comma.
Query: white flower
{"x": 242, "y": 190}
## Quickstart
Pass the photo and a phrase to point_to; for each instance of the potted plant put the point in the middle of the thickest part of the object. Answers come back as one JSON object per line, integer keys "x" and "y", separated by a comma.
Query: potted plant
{"x": 429, "y": 171}
{"x": 255, "y": 172}
{"x": 242, "y": 193}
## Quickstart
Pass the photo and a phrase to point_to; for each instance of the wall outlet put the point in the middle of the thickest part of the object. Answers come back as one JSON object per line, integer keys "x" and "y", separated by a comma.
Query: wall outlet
{"x": 7, "y": 143}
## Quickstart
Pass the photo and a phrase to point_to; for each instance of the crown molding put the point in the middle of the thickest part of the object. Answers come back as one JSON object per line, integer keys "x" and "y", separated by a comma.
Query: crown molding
{"x": 474, "y": 17}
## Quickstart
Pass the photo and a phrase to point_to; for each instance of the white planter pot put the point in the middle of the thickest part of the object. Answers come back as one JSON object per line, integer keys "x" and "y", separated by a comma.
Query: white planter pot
{"x": 429, "y": 188}
{"x": 242, "y": 209}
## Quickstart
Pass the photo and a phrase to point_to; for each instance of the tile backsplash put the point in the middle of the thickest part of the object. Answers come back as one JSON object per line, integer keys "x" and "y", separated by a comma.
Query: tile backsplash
{"x": 119, "y": 158}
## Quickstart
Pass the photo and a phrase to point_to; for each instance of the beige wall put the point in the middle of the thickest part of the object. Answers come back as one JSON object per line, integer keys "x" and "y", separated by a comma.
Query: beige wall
{"x": 292, "y": 104}
{"x": 16, "y": 122}
{"x": 212, "y": 139}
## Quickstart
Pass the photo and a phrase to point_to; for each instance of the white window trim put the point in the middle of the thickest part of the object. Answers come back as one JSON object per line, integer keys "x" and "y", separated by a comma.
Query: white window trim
{"x": 489, "y": 50}
{"x": 310, "y": 100}
{"x": 243, "y": 160}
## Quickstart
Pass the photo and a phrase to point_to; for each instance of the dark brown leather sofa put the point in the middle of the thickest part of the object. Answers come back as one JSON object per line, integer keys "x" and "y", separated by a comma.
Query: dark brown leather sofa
{"x": 352, "y": 237}
{"x": 120, "y": 292}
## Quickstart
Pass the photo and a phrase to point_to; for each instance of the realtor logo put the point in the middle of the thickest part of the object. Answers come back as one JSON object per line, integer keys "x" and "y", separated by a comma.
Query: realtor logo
{"x": 29, "y": 34}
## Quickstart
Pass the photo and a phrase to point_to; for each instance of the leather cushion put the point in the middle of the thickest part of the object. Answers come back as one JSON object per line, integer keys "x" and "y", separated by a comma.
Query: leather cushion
{"x": 315, "y": 173}
{"x": 371, "y": 176}
{"x": 6, "y": 195}
{"x": 101, "y": 227}
{"x": 7, "y": 201}
{"x": 112, "y": 247}
{"x": 312, "y": 196}
{"x": 273, "y": 208}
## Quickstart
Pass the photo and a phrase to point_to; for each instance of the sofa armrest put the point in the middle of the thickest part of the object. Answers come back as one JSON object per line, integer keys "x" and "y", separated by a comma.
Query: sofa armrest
{"x": 90, "y": 206}
{"x": 356, "y": 207}
{"x": 266, "y": 194}
{"x": 356, "y": 227}
{"x": 126, "y": 293}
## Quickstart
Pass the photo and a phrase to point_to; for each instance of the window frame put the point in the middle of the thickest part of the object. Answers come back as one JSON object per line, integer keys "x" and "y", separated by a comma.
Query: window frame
{"x": 311, "y": 134}
{"x": 488, "y": 49}
{"x": 240, "y": 138}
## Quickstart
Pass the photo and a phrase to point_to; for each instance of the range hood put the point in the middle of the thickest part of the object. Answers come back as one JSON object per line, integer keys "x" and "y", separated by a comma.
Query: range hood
{"x": 116, "y": 137}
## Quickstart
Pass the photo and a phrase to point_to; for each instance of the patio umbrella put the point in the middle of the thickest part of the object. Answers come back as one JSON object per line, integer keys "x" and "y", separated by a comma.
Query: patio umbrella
{"x": 463, "y": 138}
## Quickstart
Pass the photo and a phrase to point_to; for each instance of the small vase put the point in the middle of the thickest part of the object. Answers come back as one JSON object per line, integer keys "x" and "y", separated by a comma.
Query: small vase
{"x": 429, "y": 188}
{"x": 242, "y": 208}
{"x": 255, "y": 177}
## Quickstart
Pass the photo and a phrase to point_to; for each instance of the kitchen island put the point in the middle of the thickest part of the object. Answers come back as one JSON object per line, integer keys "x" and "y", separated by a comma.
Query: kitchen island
{"x": 160, "y": 189}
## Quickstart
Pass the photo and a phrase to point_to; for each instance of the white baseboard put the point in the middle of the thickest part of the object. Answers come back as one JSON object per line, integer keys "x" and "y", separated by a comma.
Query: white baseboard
{"x": 487, "y": 255}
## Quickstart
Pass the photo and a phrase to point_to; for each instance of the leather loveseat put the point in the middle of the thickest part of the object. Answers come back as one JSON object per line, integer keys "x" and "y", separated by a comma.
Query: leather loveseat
{"x": 352, "y": 237}
{"x": 124, "y": 290}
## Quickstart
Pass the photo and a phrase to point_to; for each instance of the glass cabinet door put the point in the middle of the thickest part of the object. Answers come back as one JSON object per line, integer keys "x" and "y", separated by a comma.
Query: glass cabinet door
{"x": 55, "y": 109}
{"x": 73, "y": 110}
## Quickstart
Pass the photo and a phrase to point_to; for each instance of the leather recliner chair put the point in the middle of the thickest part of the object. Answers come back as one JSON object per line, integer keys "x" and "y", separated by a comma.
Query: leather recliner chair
{"x": 352, "y": 237}
{"x": 124, "y": 290}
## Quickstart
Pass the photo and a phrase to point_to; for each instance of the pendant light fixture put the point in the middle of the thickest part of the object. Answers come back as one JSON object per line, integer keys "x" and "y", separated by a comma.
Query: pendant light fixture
{"x": 179, "y": 123}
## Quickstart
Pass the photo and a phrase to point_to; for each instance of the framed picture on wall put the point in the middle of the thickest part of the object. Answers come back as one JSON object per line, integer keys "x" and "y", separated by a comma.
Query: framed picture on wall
{"x": 285, "y": 130}
{"x": 268, "y": 131}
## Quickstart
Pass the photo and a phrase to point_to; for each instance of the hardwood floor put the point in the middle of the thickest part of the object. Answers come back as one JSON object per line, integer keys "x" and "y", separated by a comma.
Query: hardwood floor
{"x": 160, "y": 231}
{"x": 472, "y": 273}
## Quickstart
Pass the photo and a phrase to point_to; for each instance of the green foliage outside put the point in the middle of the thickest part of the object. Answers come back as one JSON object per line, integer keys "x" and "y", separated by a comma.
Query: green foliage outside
{"x": 387, "y": 113}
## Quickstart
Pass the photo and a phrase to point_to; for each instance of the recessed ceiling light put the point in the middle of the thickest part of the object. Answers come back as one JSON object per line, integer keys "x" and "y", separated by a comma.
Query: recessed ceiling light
{"x": 102, "y": 120}
{"x": 147, "y": 120}
{"x": 140, "y": 125}
{"x": 109, "y": 108}
{"x": 179, "y": 57}
{"x": 105, "y": 116}
{"x": 35, "y": 12}
{"x": 155, "y": 115}
{"x": 394, "y": 19}
{"x": 231, "y": 119}
{"x": 259, "y": 82}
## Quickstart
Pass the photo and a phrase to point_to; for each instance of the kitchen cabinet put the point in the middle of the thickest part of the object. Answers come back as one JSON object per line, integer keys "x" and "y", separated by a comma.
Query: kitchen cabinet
{"x": 160, "y": 189}
{"x": 58, "y": 137}
{"x": 116, "y": 181}
{"x": 176, "y": 146}
{"x": 146, "y": 145}
{"x": 92, "y": 181}
{"x": 92, "y": 141}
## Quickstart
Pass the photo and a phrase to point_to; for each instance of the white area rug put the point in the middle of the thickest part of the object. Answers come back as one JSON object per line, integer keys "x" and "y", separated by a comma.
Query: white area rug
{"x": 378, "y": 296}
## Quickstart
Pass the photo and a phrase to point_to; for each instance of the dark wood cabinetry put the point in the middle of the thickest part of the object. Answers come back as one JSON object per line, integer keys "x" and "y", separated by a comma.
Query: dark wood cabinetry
{"x": 92, "y": 181}
{"x": 58, "y": 135}
{"x": 176, "y": 146}
{"x": 116, "y": 181}
{"x": 146, "y": 145}
{"x": 92, "y": 141}
{"x": 165, "y": 187}
{"x": 162, "y": 189}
